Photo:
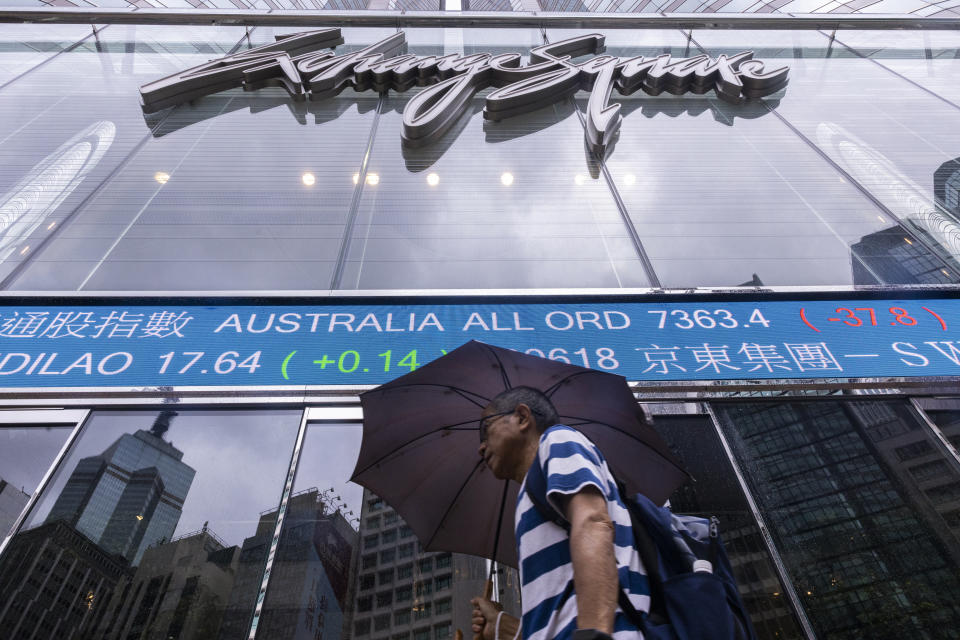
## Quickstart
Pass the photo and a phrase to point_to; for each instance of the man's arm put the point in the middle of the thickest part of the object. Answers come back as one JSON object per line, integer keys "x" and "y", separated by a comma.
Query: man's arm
{"x": 594, "y": 563}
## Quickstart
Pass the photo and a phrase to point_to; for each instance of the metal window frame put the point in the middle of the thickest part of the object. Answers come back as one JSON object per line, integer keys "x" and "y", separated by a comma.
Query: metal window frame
{"x": 78, "y": 418}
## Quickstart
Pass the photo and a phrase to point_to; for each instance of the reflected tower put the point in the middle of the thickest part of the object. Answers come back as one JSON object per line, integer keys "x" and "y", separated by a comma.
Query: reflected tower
{"x": 131, "y": 495}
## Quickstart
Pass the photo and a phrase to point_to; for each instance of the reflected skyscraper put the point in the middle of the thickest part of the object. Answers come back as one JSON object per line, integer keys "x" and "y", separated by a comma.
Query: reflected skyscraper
{"x": 131, "y": 495}
{"x": 179, "y": 590}
{"x": 895, "y": 255}
{"x": 406, "y": 593}
{"x": 310, "y": 585}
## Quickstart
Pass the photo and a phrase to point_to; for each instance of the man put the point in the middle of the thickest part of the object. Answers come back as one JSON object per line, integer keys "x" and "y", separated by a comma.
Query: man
{"x": 569, "y": 582}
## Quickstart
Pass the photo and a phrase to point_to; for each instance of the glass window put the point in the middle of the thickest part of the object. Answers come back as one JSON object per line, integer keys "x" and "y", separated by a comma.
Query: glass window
{"x": 714, "y": 491}
{"x": 368, "y": 581}
{"x": 387, "y": 555}
{"x": 855, "y": 525}
{"x": 928, "y": 58}
{"x": 147, "y": 510}
{"x": 373, "y": 522}
{"x": 482, "y": 202}
{"x": 425, "y": 564}
{"x": 68, "y": 137}
{"x": 362, "y": 627}
{"x": 424, "y": 588}
{"x": 404, "y": 571}
{"x": 384, "y": 599}
{"x": 422, "y": 611}
{"x": 443, "y": 560}
{"x": 404, "y": 593}
{"x": 879, "y": 133}
{"x": 405, "y": 550}
{"x": 389, "y": 537}
{"x": 365, "y": 604}
{"x": 371, "y": 541}
{"x": 442, "y": 631}
{"x": 233, "y": 191}
{"x": 381, "y": 622}
{"x": 442, "y": 606}
{"x": 421, "y": 634}
{"x": 443, "y": 582}
{"x": 385, "y": 577}
{"x": 369, "y": 561}
{"x": 405, "y": 531}
{"x": 26, "y": 454}
{"x": 27, "y": 45}
{"x": 401, "y": 617}
{"x": 390, "y": 517}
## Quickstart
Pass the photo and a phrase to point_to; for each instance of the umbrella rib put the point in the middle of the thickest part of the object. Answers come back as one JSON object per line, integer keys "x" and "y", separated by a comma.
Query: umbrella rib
{"x": 631, "y": 436}
{"x": 503, "y": 371}
{"x": 556, "y": 386}
{"x": 453, "y": 502}
{"x": 449, "y": 427}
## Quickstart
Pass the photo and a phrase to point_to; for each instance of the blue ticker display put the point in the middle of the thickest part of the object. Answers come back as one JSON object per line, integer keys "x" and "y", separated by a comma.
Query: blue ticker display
{"x": 183, "y": 344}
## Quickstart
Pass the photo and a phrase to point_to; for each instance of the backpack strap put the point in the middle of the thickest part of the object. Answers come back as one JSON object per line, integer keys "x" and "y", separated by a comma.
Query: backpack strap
{"x": 536, "y": 485}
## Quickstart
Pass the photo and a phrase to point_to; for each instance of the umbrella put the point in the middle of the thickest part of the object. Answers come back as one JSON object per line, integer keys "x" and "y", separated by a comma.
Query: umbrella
{"x": 420, "y": 441}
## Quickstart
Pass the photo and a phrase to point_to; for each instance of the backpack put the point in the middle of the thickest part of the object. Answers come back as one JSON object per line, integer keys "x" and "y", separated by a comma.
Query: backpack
{"x": 685, "y": 604}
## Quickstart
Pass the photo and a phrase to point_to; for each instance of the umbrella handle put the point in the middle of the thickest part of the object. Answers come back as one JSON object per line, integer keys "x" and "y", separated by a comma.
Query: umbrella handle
{"x": 487, "y": 594}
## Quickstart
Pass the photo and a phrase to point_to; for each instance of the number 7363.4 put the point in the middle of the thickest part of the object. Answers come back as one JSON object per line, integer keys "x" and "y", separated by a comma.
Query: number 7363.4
{"x": 706, "y": 318}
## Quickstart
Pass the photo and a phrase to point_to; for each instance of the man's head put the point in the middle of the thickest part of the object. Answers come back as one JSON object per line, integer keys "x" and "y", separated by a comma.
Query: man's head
{"x": 510, "y": 428}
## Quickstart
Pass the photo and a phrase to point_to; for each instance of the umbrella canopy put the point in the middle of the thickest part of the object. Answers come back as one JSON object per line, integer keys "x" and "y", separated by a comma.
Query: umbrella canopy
{"x": 420, "y": 442}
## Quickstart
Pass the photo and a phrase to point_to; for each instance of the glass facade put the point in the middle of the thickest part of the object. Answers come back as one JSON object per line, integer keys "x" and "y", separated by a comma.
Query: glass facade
{"x": 206, "y": 513}
{"x": 845, "y": 177}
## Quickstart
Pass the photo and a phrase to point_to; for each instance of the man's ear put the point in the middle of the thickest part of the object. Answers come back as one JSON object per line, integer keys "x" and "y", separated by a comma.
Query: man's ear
{"x": 525, "y": 417}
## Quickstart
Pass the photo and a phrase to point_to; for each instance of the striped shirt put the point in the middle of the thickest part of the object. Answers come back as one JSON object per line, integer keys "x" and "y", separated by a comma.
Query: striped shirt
{"x": 570, "y": 462}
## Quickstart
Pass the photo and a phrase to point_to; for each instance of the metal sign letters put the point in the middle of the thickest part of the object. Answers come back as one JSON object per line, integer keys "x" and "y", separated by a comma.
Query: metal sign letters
{"x": 299, "y": 64}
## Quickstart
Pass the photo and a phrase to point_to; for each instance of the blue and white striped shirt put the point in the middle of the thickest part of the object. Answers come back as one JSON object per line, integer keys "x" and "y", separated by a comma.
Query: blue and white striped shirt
{"x": 570, "y": 462}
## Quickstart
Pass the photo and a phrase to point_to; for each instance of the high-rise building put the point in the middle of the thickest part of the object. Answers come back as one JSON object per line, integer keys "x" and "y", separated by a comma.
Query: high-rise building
{"x": 55, "y": 583}
{"x": 311, "y": 590}
{"x": 179, "y": 590}
{"x": 405, "y": 593}
{"x": 310, "y": 579}
{"x": 131, "y": 495}
{"x": 844, "y": 496}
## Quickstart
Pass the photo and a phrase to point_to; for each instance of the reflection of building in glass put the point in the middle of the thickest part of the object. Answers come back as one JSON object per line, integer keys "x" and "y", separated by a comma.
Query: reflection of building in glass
{"x": 402, "y": 590}
{"x": 179, "y": 590}
{"x": 131, "y": 495}
{"x": 942, "y": 485}
{"x": 868, "y": 554}
{"x": 243, "y": 597}
{"x": 946, "y": 186}
{"x": 12, "y": 502}
{"x": 714, "y": 492}
{"x": 55, "y": 583}
{"x": 894, "y": 255}
{"x": 310, "y": 579}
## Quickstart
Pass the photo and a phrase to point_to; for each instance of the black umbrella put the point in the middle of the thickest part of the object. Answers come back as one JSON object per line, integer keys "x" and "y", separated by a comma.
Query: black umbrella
{"x": 420, "y": 441}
